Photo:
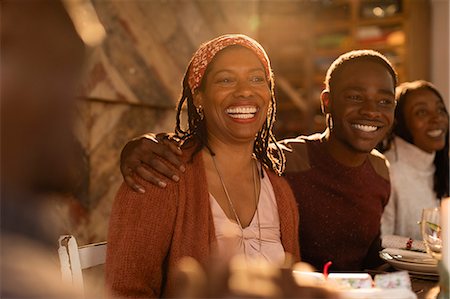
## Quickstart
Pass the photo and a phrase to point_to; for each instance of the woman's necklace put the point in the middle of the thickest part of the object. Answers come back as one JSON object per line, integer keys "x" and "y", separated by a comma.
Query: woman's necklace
{"x": 231, "y": 203}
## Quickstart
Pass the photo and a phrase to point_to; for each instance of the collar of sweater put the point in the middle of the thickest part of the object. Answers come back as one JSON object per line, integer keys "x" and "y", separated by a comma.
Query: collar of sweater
{"x": 414, "y": 156}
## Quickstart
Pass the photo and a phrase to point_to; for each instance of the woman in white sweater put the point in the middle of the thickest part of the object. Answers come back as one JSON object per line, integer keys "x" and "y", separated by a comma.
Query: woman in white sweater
{"x": 418, "y": 152}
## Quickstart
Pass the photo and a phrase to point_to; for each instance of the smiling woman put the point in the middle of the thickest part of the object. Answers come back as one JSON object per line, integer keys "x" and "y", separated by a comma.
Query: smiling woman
{"x": 230, "y": 198}
{"x": 417, "y": 150}
{"x": 235, "y": 96}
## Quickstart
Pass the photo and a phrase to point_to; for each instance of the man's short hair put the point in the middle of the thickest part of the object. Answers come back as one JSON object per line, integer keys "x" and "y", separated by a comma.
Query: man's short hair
{"x": 353, "y": 56}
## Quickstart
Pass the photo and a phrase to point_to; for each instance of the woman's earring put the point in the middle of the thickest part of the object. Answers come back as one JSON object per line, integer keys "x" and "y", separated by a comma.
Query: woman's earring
{"x": 200, "y": 112}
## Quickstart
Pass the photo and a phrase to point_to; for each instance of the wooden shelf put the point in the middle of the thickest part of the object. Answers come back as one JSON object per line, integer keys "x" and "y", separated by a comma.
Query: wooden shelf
{"x": 388, "y": 21}
{"x": 395, "y": 36}
{"x": 335, "y": 26}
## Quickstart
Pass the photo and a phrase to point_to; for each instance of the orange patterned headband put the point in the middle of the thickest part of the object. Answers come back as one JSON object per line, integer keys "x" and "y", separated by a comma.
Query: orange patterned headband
{"x": 205, "y": 54}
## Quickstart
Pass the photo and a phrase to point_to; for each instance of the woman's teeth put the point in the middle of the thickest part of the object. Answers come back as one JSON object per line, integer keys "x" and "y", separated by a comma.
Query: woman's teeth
{"x": 242, "y": 112}
{"x": 435, "y": 133}
{"x": 365, "y": 128}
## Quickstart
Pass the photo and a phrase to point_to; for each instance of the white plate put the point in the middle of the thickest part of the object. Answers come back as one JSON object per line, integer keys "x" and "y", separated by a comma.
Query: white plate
{"x": 413, "y": 262}
{"x": 410, "y": 256}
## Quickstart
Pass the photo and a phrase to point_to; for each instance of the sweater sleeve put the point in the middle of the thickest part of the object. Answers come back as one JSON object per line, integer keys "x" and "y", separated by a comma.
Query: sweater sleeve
{"x": 140, "y": 232}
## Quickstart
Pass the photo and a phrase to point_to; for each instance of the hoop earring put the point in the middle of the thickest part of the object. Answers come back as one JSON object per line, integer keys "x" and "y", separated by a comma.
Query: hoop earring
{"x": 200, "y": 112}
{"x": 329, "y": 120}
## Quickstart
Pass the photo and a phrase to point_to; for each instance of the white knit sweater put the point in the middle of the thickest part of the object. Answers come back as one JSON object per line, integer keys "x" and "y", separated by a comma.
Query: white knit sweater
{"x": 411, "y": 173}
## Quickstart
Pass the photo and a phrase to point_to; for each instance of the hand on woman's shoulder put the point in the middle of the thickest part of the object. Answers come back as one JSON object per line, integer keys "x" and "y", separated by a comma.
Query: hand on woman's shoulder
{"x": 379, "y": 163}
{"x": 295, "y": 150}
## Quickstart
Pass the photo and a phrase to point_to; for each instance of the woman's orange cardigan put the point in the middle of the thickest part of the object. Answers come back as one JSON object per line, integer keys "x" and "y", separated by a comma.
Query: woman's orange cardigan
{"x": 150, "y": 232}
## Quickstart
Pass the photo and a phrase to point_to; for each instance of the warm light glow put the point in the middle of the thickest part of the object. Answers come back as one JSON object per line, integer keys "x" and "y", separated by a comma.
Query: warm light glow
{"x": 396, "y": 38}
{"x": 86, "y": 21}
{"x": 391, "y": 9}
{"x": 378, "y": 11}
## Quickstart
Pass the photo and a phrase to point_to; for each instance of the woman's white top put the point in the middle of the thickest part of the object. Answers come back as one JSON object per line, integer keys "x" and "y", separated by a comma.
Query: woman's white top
{"x": 411, "y": 173}
{"x": 231, "y": 239}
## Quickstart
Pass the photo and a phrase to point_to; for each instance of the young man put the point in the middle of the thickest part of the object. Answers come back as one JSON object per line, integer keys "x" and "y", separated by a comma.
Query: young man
{"x": 341, "y": 183}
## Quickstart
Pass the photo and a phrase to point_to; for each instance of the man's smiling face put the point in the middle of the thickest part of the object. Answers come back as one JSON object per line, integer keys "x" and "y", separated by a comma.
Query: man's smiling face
{"x": 361, "y": 103}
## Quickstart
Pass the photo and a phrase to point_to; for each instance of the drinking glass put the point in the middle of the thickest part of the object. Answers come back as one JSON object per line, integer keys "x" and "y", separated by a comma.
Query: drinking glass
{"x": 431, "y": 232}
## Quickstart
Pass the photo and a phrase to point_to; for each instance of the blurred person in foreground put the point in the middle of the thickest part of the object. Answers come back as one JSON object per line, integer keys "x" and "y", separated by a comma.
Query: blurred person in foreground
{"x": 231, "y": 197}
{"x": 41, "y": 62}
{"x": 340, "y": 181}
{"x": 238, "y": 277}
{"x": 418, "y": 152}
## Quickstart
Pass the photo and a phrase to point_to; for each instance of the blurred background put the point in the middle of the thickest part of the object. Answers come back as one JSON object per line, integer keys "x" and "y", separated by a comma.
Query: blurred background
{"x": 139, "y": 51}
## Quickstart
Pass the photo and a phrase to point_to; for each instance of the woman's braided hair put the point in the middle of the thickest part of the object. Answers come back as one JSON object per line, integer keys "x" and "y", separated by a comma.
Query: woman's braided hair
{"x": 265, "y": 148}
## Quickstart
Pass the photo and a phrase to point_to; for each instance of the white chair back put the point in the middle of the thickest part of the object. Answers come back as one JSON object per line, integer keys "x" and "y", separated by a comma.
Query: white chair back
{"x": 74, "y": 259}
